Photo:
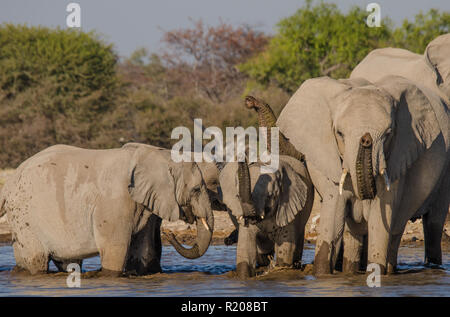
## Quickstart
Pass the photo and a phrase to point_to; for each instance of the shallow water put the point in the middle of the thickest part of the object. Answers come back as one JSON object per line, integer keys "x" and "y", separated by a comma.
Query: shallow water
{"x": 205, "y": 277}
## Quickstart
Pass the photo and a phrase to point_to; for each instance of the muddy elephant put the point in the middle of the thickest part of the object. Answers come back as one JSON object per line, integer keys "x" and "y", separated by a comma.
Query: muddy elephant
{"x": 432, "y": 69}
{"x": 273, "y": 209}
{"x": 282, "y": 202}
{"x": 376, "y": 152}
{"x": 66, "y": 204}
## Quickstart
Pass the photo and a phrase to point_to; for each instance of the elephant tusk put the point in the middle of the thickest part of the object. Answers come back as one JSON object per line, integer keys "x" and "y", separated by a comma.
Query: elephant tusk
{"x": 386, "y": 179}
{"x": 341, "y": 182}
{"x": 205, "y": 223}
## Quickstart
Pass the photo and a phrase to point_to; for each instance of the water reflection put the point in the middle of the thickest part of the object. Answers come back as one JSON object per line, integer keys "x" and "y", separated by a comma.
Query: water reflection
{"x": 207, "y": 276}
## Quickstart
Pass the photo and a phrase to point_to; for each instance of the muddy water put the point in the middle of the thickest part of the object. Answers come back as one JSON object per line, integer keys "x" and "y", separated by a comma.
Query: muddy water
{"x": 210, "y": 276}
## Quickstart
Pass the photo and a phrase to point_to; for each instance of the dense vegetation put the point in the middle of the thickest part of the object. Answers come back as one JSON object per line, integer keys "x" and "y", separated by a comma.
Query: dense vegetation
{"x": 66, "y": 86}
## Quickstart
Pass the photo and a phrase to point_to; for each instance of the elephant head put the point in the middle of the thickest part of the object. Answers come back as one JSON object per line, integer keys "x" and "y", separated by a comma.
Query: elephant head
{"x": 248, "y": 193}
{"x": 172, "y": 191}
{"x": 381, "y": 130}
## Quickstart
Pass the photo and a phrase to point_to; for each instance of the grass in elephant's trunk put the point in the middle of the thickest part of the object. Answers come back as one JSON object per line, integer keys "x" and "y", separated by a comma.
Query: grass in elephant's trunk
{"x": 364, "y": 170}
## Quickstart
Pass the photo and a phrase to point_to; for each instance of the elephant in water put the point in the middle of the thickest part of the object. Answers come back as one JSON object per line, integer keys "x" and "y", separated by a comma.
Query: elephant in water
{"x": 270, "y": 210}
{"x": 377, "y": 153}
{"x": 432, "y": 69}
{"x": 282, "y": 202}
{"x": 66, "y": 204}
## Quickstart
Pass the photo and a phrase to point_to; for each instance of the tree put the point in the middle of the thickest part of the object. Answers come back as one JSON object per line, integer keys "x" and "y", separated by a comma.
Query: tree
{"x": 206, "y": 56}
{"x": 316, "y": 41}
{"x": 415, "y": 36}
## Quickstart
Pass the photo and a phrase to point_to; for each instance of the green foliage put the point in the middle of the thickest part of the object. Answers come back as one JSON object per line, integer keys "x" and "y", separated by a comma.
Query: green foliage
{"x": 415, "y": 36}
{"x": 322, "y": 41}
{"x": 316, "y": 41}
{"x": 54, "y": 87}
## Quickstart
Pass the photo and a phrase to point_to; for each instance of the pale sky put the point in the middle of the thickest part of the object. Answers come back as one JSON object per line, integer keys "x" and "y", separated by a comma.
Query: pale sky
{"x": 139, "y": 23}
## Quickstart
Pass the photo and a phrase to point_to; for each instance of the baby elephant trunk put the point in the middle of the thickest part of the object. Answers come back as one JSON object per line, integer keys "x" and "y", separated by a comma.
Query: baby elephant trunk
{"x": 364, "y": 169}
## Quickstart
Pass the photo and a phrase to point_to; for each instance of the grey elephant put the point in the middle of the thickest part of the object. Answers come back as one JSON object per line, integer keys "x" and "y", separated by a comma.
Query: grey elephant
{"x": 66, "y": 204}
{"x": 282, "y": 202}
{"x": 269, "y": 210}
{"x": 376, "y": 153}
{"x": 432, "y": 69}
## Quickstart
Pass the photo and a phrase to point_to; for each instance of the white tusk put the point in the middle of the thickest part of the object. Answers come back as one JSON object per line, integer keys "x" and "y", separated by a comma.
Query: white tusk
{"x": 386, "y": 179}
{"x": 240, "y": 218}
{"x": 342, "y": 181}
{"x": 205, "y": 224}
{"x": 262, "y": 217}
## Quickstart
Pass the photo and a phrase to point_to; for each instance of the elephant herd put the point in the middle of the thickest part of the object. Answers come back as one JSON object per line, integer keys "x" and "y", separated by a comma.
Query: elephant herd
{"x": 374, "y": 147}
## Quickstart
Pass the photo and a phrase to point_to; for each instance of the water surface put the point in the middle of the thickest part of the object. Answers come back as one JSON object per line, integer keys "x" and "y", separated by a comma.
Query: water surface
{"x": 207, "y": 276}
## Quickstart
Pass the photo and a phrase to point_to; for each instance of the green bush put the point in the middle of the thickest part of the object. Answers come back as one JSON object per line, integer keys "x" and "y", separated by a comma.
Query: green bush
{"x": 55, "y": 85}
{"x": 320, "y": 40}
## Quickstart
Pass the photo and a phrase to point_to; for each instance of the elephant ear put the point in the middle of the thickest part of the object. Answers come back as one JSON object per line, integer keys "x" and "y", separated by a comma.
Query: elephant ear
{"x": 293, "y": 195}
{"x": 416, "y": 125}
{"x": 152, "y": 182}
{"x": 437, "y": 56}
{"x": 307, "y": 122}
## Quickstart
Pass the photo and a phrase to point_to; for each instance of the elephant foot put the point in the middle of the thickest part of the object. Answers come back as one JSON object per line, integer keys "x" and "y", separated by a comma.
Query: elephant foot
{"x": 138, "y": 268}
{"x": 232, "y": 238}
{"x": 350, "y": 267}
{"x": 322, "y": 262}
{"x": 244, "y": 271}
{"x": 109, "y": 273}
{"x": 391, "y": 269}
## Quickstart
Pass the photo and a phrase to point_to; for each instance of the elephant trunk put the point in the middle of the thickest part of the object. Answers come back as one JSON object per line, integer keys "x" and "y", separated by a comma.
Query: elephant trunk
{"x": 205, "y": 229}
{"x": 267, "y": 119}
{"x": 245, "y": 192}
{"x": 364, "y": 169}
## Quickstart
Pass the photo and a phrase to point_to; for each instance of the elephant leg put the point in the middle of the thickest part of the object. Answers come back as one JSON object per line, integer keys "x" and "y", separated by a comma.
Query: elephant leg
{"x": 434, "y": 221}
{"x": 394, "y": 245}
{"x": 62, "y": 265}
{"x": 353, "y": 244}
{"x": 246, "y": 252}
{"x": 379, "y": 234}
{"x": 364, "y": 252}
{"x": 265, "y": 249}
{"x": 30, "y": 256}
{"x": 331, "y": 228}
{"x": 144, "y": 256}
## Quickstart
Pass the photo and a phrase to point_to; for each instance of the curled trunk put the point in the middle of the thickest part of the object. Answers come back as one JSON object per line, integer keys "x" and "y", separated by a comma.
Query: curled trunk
{"x": 267, "y": 119}
{"x": 364, "y": 169}
{"x": 202, "y": 241}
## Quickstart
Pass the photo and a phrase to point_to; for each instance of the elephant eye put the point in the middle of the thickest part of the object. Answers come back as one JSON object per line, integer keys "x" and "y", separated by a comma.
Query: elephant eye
{"x": 340, "y": 134}
{"x": 196, "y": 190}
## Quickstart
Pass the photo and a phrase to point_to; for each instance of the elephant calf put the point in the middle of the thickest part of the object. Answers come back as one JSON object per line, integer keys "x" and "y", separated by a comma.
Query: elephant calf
{"x": 66, "y": 204}
{"x": 270, "y": 211}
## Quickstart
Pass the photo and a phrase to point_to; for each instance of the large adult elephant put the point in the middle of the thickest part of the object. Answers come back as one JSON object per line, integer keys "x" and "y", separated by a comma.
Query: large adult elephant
{"x": 392, "y": 137}
{"x": 66, "y": 204}
{"x": 432, "y": 69}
